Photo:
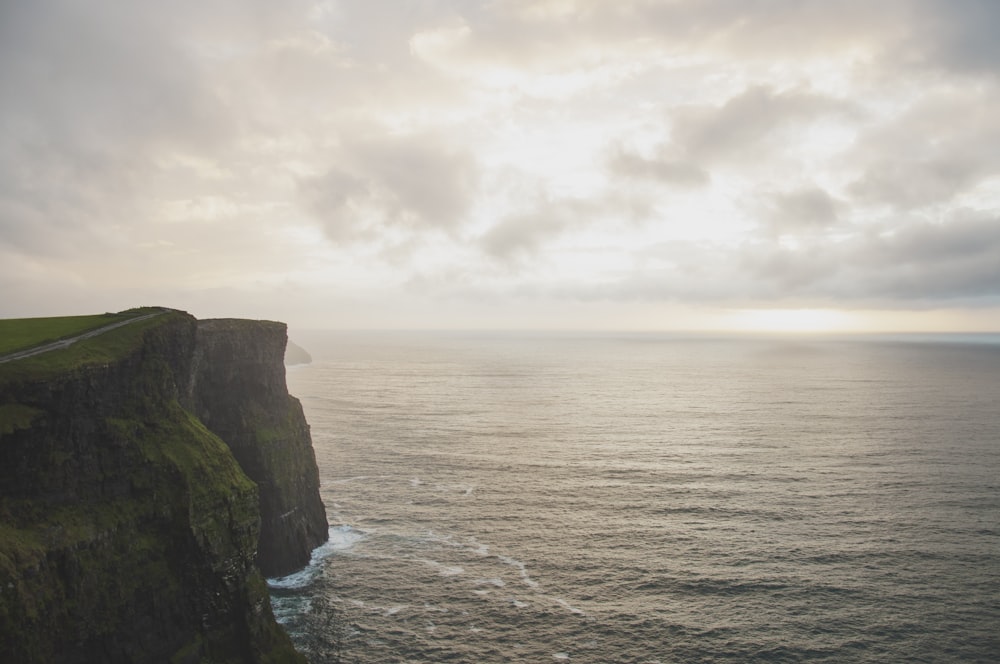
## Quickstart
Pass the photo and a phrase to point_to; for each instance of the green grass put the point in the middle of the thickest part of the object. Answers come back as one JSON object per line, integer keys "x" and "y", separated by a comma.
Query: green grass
{"x": 24, "y": 333}
{"x": 15, "y": 416}
{"x": 101, "y": 349}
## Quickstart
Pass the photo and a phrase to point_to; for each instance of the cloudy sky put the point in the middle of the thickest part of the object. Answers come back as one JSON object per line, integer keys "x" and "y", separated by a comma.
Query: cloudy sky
{"x": 638, "y": 164}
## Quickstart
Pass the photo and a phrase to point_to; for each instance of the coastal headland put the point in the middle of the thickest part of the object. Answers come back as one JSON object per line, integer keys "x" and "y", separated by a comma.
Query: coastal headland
{"x": 153, "y": 470}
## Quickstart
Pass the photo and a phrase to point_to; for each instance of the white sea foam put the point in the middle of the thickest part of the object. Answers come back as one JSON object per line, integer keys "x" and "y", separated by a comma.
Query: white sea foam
{"x": 561, "y": 655}
{"x": 341, "y": 538}
{"x": 447, "y": 540}
{"x": 299, "y": 579}
{"x": 444, "y": 570}
{"x": 478, "y": 547}
{"x": 499, "y": 583}
{"x": 569, "y": 607}
{"x": 435, "y": 609}
{"x": 521, "y": 568}
{"x": 287, "y": 608}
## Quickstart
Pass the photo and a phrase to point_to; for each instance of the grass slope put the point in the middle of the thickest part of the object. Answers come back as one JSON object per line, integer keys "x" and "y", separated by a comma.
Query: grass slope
{"x": 101, "y": 349}
{"x": 24, "y": 333}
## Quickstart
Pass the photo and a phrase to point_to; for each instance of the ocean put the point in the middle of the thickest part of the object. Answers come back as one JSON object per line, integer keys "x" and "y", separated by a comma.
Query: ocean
{"x": 519, "y": 497}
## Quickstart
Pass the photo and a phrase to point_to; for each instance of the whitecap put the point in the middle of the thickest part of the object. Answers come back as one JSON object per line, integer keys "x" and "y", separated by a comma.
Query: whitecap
{"x": 343, "y": 538}
{"x": 521, "y": 568}
{"x": 299, "y": 579}
{"x": 434, "y": 609}
{"x": 340, "y": 538}
{"x": 478, "y": 547}
{"x": 569, "y": 607}
{"x": 444, "y": 570}
{"x": 499, "y": 583}
{"x": 561, "y": 655}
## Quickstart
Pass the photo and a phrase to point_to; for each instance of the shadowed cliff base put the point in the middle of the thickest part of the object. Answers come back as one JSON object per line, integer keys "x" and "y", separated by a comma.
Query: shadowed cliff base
{"x": 128, "y": 529}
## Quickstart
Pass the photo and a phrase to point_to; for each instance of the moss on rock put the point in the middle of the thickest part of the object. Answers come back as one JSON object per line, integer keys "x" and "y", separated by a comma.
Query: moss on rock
{"x": 128, "y": 530}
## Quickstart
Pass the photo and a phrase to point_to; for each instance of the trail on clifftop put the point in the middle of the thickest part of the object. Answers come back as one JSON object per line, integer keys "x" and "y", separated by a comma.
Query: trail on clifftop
{"x": 69, "y": 341}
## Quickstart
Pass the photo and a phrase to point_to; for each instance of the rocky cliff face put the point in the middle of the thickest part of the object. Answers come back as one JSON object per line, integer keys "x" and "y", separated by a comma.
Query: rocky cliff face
{"x": 238, "y": 390}
{"x": 128, "y": 530}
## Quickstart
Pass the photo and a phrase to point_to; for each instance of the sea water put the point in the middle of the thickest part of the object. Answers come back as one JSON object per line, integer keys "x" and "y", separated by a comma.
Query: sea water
{"x": 652, "y": 498}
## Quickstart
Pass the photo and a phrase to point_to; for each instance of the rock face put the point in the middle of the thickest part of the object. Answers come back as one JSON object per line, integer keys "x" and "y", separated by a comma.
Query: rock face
{"x": 238, "y": 390}
{"x": 128, "y": 529}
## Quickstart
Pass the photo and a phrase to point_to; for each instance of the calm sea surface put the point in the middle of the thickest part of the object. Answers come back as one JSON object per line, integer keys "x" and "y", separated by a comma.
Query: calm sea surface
{"x": 644, "y": 498}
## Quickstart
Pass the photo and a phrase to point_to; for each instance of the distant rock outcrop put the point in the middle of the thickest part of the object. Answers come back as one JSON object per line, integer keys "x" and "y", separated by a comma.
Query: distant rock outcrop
{"x": 129, "y": 526}
{"x": 296, "y": 354}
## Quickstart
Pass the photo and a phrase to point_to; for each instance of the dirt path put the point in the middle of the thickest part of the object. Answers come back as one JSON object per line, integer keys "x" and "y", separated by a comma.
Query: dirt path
{"x": 66, "y": 343}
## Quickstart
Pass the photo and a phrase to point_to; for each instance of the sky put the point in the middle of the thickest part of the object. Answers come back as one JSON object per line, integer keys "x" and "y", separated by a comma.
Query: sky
{"x": 531, "y": 164}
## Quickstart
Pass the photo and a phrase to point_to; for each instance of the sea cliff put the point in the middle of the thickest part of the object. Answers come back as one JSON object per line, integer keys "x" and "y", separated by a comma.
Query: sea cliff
{"x": 137, "y": 472}
{"x": 238, "y": 390}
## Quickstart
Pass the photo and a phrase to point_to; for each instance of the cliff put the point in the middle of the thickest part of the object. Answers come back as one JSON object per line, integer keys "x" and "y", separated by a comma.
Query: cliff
{"x": 128, "y": 529}
{"x": 238, "y": 390}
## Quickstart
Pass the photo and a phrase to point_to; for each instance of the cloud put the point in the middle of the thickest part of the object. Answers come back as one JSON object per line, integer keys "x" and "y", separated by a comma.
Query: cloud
{"x": 90, "y": 94}
{"x": 754, "y": 126}
{"x": 414, "y": 182}
{"x": 958, "y": 35}
{"x": 807, "y": 209}
{"x": 713, "y": 150}
{"x": 929, "y": 261}
{"x": 531, "y": 34}
{"x": 744, "y": 124}
{"x": 522, "y": 234}
{"x": 945, "y": 144}
{"x": 915, "y": 262}
{"x": 915, "y": 265}
{"x": 658, "y": 168}
{"x": 542, "y": 221}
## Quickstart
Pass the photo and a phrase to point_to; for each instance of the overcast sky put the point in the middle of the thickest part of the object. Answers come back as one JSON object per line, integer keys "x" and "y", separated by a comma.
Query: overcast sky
{"x": 650, "y": 164}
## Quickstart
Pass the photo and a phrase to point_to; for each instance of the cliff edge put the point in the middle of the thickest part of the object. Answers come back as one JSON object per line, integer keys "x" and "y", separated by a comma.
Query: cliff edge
{"x": 129, "y": 530}
{"x": 238, "y": 390}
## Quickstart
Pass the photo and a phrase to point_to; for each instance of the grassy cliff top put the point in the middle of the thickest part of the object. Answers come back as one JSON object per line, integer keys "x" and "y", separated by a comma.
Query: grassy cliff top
{"x": 126, "y": 335}
{"x": 24, "y": 333}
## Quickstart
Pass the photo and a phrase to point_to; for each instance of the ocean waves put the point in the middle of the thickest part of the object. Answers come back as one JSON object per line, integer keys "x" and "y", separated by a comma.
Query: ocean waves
{"x": 644, "y": 503}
